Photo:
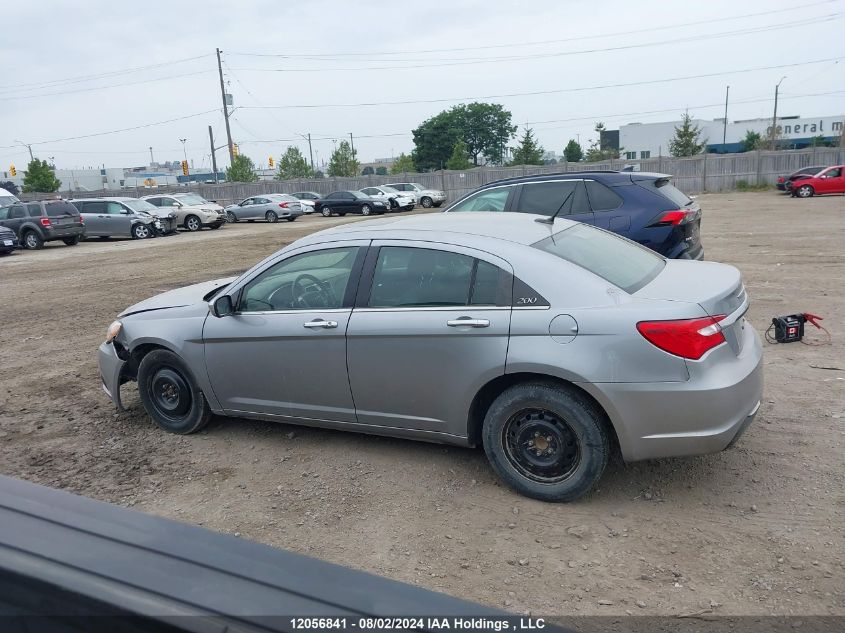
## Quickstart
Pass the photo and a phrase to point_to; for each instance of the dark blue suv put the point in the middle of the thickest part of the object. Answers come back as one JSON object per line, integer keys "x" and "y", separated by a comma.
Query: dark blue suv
{"x": 641, "y": 206}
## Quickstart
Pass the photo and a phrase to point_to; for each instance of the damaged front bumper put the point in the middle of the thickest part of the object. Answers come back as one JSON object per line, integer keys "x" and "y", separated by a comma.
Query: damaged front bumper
{"x": 111, "y": 373}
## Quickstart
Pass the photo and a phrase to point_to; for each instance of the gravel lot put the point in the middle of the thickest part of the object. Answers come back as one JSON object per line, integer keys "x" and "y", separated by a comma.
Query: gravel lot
{"x": 758, "y": 529}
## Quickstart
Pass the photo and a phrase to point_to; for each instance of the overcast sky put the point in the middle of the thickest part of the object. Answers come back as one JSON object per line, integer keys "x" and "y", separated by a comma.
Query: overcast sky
{"x": 93, "y": 62}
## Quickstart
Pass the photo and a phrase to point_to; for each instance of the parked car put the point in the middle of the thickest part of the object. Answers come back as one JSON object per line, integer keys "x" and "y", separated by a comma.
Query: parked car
{"x": 784, "y": 183}
{"x": 37, "y": 222}
{"x": 423, "y": 196}
{"x": 168, "y": 223}
{"x": 308, "y": 200}
{"x": 398, "y": 200}
{"x": 117, "y": 217}
{"x": 8, "y": 239}
{"x": 269, "y": 207}
{"x": 343, "y": 202}
{"x": 548, "y": 343}
{"x": 828, "y": 180}
{"x": 641, "y": 206}
{"x": 193, "y": 212}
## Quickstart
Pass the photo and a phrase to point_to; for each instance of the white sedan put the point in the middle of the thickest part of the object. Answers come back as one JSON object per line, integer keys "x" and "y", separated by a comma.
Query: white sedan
{"x": 399, "y": 200}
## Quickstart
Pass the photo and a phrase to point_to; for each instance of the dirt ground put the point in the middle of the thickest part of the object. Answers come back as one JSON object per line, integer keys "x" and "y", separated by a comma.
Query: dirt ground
{"x": 758, "y": 529}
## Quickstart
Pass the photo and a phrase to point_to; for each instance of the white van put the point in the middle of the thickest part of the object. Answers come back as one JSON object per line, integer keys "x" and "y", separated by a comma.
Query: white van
{"x": 7, "y": 198}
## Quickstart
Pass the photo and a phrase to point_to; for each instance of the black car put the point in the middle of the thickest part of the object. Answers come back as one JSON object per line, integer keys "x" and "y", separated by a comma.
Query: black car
{"x": 343, "y": 202}
{"x": 641, "y": 206}
{"x": 37, "y": 222}
{"x": 8, "y": 239}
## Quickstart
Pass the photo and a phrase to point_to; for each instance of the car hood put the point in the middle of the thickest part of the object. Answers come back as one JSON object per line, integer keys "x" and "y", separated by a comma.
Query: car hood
{"x": 177, "y": 298}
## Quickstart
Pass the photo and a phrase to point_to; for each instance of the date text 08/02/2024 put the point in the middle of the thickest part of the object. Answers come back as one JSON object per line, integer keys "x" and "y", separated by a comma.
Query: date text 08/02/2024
{"x": 418, "y": 623}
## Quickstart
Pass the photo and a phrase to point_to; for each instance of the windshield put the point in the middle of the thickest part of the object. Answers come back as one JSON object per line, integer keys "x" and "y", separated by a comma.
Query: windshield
{"x": 418, "y": 186}
{"x": 190, "y": 199}
{"x": 141, "y": 206}
{"x": 623, "y": 263}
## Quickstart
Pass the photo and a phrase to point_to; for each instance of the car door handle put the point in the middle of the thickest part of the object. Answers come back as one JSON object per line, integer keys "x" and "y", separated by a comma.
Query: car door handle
{"x": 320, "y": 323}
{"x": 467, "y": 321}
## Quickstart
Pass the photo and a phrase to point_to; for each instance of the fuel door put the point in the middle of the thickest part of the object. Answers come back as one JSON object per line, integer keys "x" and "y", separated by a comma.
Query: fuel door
{"x": 563, "y": 329}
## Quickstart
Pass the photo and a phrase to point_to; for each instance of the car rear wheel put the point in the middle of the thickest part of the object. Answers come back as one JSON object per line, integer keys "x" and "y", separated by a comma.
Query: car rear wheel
{"x": 426, "y": 202}
{"x": 170, "y": 394}
{"x": 271, "y": 217}
{"x": 32, "y": 241}
{"x": 71, "y": 241}
{"x": 192, "y": 223}
{"x": 804, "y": 191}
{"x": 365, "y": 209}
{"x": 140, "y": 231}
{"x": 231, "y": 217}
{"x": 546, "y": 441}
{"x": 327, "y": 212}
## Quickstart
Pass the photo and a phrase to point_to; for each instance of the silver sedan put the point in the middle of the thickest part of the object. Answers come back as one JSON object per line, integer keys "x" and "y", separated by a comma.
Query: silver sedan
{"x": 548, "y": 344}
{"x": 270, "y": 207}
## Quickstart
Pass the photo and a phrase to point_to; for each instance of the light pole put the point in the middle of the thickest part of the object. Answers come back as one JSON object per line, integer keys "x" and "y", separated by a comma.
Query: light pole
{"x": 184, "y": 151}
{"x": 775, "y": 114}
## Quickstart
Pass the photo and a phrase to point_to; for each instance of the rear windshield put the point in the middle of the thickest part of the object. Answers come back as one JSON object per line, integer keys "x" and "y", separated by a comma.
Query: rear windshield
{"x": 58, "y": 209}
{"x": 623, "y": 263}
{"x": 667, "y": 190}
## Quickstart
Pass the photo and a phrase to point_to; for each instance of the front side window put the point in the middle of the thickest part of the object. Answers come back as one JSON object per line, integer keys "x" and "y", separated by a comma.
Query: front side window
{"x": 408, "y": 277}
{"x": 114, "y": 208}
{"x": 309, "y": 281}
{"x": 488, "y": 200}
{"x": 166, "y": 202}
{"x": 561, "y": 197}
{"x": 17, "y": 211}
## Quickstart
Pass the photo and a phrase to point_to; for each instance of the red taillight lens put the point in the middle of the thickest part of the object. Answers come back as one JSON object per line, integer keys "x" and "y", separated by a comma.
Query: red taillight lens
{"x": 284, "y": 205}
{"x": 45, "y": 222}
{"x": 687, "y": 338}
{"x": 673, "y": 218}
{"x": 781, "y": 179}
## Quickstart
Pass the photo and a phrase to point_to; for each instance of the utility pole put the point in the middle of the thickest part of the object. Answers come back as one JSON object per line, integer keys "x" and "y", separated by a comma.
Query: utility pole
{"x": 310, "y": 150}
{"x": 225, "y": 110}
{"x": 352, "y": 142}
{"x": 28, "y": 146}
{"x": 725, "y": 125}
{"x": 775, "y": 115}
{"x": 213, "y": 155}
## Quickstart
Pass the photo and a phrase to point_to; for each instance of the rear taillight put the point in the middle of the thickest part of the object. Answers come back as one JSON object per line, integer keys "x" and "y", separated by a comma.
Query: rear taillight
{"x": 45, "y": 222}
{"x": 284, "y": 205}
{"x": 673, "y": 218}
{"x": 687, "y": 338}
{"x": 781, "y": 179}
{"x": 80, "y": 220}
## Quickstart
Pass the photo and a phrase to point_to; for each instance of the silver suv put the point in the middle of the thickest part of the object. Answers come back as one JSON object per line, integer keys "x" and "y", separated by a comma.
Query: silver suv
{"x": 117, "y": 217}
{"x": 423, "y": 196}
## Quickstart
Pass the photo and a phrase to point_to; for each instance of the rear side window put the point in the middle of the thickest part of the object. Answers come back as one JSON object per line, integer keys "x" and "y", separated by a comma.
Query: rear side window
{"x": 603, "y": 198}
{"x": 34, "y": 210}
{"x": 564, "y": 197}
{"x": 624, "y": 264}
{"x": 59, "y": 209}
{"x": 666, "y": 189}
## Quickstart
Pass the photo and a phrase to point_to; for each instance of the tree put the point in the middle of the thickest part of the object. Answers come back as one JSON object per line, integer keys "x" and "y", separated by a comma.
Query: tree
{"x": 816, "y": 141}
{"x": 40, "y": 177}
{"x": 242, "y": 170}
{"x": 344, "y": 161}
{"x": 573, "y": 151}
{"x": 11, "y": 187}
{"x": 485, "y": 128}
{"x": 381, "y": 171}
{"x": 459, "y": 160}
{"x": 596, "y": 151}
{"x": 753, "y": 140}
{"x": 528, "y": 152}
{"x": 292, "y": 165}
{"x": 368, "y": 171}
{"x": 687, "y": 138}
{"x": 402, "y": 164}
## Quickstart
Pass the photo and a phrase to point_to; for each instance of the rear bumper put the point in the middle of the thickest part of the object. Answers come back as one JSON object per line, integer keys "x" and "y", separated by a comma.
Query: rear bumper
{"x": 705, "y": 414}
{"x": 111, "y": 372}
{"x": 781, "y": 186}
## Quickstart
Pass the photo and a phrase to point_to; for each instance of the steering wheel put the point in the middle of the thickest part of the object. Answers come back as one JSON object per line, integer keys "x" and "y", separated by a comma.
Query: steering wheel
{"x": 316, "y": 294}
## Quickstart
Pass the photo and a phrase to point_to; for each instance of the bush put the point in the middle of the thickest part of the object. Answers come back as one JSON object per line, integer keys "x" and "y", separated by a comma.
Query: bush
{"x": 744, "y": 185}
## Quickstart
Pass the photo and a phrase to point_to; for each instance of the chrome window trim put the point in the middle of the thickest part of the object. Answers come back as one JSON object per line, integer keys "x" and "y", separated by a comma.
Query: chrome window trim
{"x": 434, "y": 308}
{"x": 304, "y": 311}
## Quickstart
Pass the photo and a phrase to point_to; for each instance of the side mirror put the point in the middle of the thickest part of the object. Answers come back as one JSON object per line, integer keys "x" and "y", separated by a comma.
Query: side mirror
{"x": 222, "y": 306}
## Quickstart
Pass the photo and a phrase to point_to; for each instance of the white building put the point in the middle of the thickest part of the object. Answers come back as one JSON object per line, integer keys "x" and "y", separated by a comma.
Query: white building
{"x": 647, "y": 140}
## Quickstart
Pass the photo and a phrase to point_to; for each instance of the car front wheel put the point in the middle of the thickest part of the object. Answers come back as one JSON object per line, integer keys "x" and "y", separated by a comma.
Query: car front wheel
{"x": 426, "y": 202}
{"x": 231, "y": 217}
{"x": 140, "y": 231}
{"x": 192, "y": 223}
{"x": 804, "y": 191}
{"x": 170, "y": 394}
{"x": 546, "y": 441}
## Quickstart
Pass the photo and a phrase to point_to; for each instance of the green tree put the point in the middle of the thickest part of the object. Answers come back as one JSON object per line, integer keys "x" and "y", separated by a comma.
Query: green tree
{"x": 753, "y": 140}
{"x": 344, "y": 161}
{"x": 459, "y": 160}
{"x": 242, "y": 170}
{"x": 820, "y": 141}
{"x": 485, "y": 128}
{"x": 687, "y": 139}
{"x": 402, "y": 164}
{"x": 40, "y": 177}
{"x": 528, "y": 152}
{"x": 573, "y": 151}
{"x": 381, "y": 171}
{"x": 11, "y": 187}
{"x": 596, "y": 152}
{"x": 292, "y": 165}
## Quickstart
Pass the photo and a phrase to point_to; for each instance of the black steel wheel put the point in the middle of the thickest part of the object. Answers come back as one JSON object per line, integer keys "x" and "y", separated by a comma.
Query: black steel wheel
{"x": 170, "y": 394}
{"x": 540, "y": 445}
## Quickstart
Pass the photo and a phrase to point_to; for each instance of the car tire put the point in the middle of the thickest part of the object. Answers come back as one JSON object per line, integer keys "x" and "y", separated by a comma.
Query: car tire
{"x": 291, "y": 218}
{"x": 32, "y": 241}
{"x": 170, "y": 394}
{"x": 231, "y": 217}
{"x": 804, "y": 191}
{"x": 426, "y": 202}
{"x": 271, "y": 217}
{"x": 326, "y": 212}
{"x": 71, "y": 241}
{"x": 140, "y": 231}
{"x": 365, "y": 209}
{"x": 193, "y": 223}
{"x": 574, "y": 449}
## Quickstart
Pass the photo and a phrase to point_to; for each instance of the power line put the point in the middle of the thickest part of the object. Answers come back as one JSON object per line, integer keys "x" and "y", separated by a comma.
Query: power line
{"x": 542, "y": 92}
{"x": 543, "y": 42}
